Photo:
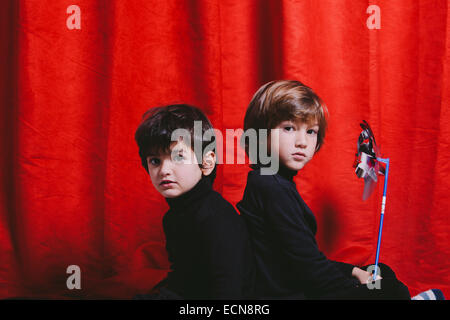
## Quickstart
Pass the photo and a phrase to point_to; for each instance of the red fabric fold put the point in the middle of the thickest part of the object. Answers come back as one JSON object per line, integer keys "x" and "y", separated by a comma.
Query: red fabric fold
{"x": 73, "y": 191}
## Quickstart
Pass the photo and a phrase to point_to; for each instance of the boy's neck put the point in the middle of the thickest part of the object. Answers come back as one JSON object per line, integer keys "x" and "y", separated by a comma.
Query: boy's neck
{"x": 203, "y": 186}
{"x": 286, "y": 172}
{"x": 282, "y": 171}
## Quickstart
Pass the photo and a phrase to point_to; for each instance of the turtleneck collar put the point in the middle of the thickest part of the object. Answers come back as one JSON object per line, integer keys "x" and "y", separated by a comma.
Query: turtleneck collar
{"x": 189, "y": 198}
{"x": 287, "y": 173}
{"x": 282, "y": 172}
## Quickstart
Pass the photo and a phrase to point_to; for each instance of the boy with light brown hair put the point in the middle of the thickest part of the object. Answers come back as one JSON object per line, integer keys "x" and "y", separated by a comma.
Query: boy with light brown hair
{"x": 289, "y": 263}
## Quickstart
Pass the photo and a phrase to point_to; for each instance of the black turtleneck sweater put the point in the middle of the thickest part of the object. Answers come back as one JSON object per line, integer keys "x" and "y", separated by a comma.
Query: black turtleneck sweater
{"x": 282, "y": 228}
{"x": 207, "y": 245}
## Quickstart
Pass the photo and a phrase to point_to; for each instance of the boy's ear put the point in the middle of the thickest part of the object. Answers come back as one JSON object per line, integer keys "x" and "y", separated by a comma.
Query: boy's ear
{"x": 208, "y": 163}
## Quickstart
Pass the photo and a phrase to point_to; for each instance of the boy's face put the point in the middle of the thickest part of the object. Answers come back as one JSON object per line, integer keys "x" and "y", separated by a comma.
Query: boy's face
{"x": 176, "y": 172}
{"x": 296, "y": 142}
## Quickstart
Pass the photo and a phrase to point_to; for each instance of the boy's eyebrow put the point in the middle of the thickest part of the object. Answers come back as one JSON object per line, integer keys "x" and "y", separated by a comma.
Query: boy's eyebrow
{"x": 154, "y": 154}
{"x": 286, "y": 121}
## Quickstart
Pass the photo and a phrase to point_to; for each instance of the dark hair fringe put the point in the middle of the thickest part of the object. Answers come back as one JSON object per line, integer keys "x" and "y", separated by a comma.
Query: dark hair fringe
{"x": 154, "y": 133}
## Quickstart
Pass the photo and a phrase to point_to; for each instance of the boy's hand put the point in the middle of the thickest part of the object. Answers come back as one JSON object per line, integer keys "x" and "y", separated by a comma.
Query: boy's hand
{"x": 363, "y": 276}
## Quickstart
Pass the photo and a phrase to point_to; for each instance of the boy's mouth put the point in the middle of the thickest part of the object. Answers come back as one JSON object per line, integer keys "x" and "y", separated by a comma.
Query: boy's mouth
{"x": 299, "y": 155}
{"x": 166, "y": 182}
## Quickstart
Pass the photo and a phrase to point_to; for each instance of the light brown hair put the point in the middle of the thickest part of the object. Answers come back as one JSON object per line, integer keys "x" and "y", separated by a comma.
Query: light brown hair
{"x": 282, "y": 100}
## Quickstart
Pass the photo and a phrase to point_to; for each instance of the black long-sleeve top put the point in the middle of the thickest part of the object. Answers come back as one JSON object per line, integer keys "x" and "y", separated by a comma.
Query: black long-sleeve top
{"x": 208, "y": 246}
{"x": 282, "y": 228}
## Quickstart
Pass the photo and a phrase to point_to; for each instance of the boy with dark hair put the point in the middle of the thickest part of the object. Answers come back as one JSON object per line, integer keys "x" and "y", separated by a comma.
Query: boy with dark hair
{"x": 282, "y": 228}
{"x": 206, "y": 239}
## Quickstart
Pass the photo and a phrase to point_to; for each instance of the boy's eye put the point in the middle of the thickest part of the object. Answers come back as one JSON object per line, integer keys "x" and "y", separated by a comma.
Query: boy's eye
{"x": 288, "y": 128}
{"x": 179, "y": 157}
{"x": 154, "y": 161}
{"x": 312, "y": 131}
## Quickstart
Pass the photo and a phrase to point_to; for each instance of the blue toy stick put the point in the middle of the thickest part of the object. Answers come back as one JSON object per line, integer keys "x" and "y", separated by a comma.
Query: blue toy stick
{"x": 383, "y": 204}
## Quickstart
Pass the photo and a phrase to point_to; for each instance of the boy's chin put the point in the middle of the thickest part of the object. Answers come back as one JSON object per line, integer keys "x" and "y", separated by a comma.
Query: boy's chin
{"x": 294, "y": 165}
{"x": 172, "y": 193}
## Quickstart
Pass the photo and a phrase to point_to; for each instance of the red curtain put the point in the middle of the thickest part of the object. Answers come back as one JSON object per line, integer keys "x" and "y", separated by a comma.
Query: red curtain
{"x": 73, "y": 191}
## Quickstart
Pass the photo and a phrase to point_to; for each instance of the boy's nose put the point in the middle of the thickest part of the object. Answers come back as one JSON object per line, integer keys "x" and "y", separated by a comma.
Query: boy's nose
{"x": 166, "y": 167}
{"x": 300, "y": 139}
